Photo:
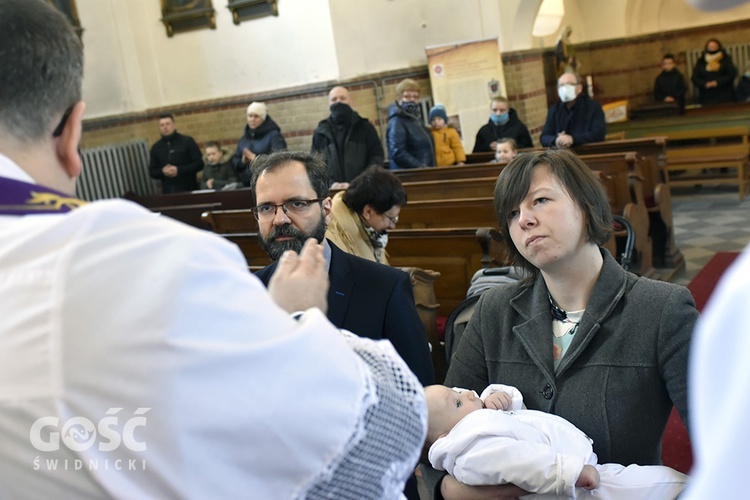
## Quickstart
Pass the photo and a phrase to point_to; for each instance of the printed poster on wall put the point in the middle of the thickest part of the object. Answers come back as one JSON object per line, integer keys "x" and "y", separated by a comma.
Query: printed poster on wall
{"x": 465, "y": 76}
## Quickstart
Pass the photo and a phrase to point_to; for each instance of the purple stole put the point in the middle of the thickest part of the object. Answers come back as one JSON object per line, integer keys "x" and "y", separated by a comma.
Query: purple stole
{"x": 23, "y": 198}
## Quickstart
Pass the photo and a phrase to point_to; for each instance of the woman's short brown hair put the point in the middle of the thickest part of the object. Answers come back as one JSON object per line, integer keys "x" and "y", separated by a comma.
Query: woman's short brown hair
{"x": 581, "y": 183}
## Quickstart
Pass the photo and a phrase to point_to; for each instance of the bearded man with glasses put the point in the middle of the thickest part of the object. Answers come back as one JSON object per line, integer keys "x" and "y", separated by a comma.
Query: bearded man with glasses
{"x": 369, "y": 299}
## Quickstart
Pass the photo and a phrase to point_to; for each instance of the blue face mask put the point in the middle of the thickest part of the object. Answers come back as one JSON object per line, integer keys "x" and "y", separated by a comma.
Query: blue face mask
{"x": 499, "y": 119}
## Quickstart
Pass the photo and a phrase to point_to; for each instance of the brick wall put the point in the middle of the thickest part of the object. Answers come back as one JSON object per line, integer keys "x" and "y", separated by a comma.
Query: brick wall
{"x": 297, "y": 111}
{"x": 526, "y": 88}
{"x": 622, "y": 69}
{"x": 626, "y": 68}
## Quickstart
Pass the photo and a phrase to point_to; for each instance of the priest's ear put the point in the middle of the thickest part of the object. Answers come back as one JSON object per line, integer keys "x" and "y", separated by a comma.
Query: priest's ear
{"x": 67, "y": 135}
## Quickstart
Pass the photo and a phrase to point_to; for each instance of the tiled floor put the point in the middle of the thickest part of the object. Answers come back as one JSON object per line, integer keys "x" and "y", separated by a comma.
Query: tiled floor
{"x": 707, "y": 220}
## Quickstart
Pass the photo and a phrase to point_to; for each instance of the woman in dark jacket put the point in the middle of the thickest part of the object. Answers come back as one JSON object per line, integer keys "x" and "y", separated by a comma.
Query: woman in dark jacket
{"x": 261, "y": 136}
{"x": 409, "y": 141}
{"x": 579, "y": 336}
{"x": 714, "y": 75}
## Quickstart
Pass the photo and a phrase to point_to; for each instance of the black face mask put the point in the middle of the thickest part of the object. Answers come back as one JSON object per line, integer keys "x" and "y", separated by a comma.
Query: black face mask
{"x": 341, "y": 113}
{"x": 712, "y": 52}
{"x": 411, "y": 107}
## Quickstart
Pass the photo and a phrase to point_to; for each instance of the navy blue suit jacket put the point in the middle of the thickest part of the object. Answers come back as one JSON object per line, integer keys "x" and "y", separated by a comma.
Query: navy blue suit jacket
{"x": 375, "y": 301}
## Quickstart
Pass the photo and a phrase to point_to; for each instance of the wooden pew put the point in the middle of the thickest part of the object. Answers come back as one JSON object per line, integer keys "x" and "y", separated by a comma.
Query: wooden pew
{"x": 458, "y": 212}
{"x": 695, "y": 151}
{"x": 594, "y": 162}
{"x": 230, "y": 224}
{"x": 620, "y": 175}
{"x": 453, "y": 252}
{"x": 475, "y": 187}
{"x": 483, "y": 157}
{"x": 463, "y": 212}
{"x": 188, "y": 207}
{"x": 652, "y": 151}
{"x": 230, "y": 221}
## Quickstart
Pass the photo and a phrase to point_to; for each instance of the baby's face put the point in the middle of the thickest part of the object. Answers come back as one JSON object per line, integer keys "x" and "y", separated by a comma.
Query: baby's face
{"x": 438, "y": 123}
{"x": 447, "y": 407}
{"x": 504, "y": 153}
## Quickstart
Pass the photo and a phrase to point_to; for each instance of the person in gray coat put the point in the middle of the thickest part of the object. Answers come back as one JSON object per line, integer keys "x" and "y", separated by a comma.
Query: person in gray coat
{"x": 584, "y": 339}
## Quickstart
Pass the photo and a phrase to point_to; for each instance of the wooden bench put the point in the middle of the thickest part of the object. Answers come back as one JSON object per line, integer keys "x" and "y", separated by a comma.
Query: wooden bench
{"x": 459, "y": 212}
{"x": 230, "y": 221}
{"x": 452, "y": 252}
{"x": 188, "y": 207}
{"x": 692, "y": 152}
{"x": 594, "y": 162}
{"x": 475, "y": 187}
{"x": 483, "y": 157}
{"x": 652, "y": 153}
{"x": 431, "y": 201}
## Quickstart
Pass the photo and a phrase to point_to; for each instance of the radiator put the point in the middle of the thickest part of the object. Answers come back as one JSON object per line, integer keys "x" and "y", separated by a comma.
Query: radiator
{"x": 113, "y": 170}
{"x": 740, "y": 54}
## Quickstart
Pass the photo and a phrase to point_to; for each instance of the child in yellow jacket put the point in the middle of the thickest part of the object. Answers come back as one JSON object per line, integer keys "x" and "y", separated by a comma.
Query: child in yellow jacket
{"x": 448, "y": 147}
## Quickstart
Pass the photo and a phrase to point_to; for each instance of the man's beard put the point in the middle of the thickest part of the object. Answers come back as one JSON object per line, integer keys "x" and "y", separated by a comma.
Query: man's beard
{"x": 275, "y": 249}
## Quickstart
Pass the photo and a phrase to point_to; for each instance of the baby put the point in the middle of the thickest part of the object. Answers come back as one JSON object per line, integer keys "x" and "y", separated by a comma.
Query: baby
{"x": 494, "y": 440}
{"x": 505, "y": 150}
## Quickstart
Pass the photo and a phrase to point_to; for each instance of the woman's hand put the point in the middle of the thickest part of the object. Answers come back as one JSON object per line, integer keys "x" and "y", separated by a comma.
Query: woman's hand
{"x": 451, "y": 489}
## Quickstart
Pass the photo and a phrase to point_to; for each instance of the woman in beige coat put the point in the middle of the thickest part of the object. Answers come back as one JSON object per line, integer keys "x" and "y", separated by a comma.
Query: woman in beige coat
{"x": 362, "y": 214}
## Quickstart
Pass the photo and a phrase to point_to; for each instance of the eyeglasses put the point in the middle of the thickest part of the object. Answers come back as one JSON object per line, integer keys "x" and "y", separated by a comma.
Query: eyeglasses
{"x": 392, "y": 219}
{"x": 64, "y": 120}
{"x": 294, "y": 207}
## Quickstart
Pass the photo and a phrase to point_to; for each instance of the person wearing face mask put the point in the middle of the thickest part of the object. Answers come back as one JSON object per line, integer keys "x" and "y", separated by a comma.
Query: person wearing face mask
{"x": 713, "y": 75}
{"x": 575, "y": 119}
{"x": 347, "y": 142}
{"x": 670, "y": 84}
{"x": 410, "y": 143}
{"x": 362, "y": 214}
{"x": 504, "y": 122}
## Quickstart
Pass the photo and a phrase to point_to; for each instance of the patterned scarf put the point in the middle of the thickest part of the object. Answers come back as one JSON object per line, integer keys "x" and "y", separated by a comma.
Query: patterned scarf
{"x": 713, "y": 61}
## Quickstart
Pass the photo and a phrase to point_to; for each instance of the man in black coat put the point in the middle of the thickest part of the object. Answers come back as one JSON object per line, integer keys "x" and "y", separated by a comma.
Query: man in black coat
{"x": 575, "y": 119}
{"x": 367, "y": 298}
{"x": 175, "y": 159}
{"x": 349, "y": 143}
{"x": 503, "y": 123}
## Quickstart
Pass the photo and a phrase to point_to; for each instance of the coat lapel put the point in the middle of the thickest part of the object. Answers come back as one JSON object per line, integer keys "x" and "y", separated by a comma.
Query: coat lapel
{"x": 535, "y": 333}
{"x": 340, "y": 290}
{"x": 607, "y": 292}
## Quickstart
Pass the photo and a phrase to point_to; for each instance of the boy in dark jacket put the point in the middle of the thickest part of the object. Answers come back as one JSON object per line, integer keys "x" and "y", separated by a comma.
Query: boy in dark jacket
{"x": 670, "y": 84}
{"x": 218, "y": 173}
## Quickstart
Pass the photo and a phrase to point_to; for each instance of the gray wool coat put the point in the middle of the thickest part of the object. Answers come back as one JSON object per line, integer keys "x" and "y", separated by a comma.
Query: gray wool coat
{"x": 623, "y": 371}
